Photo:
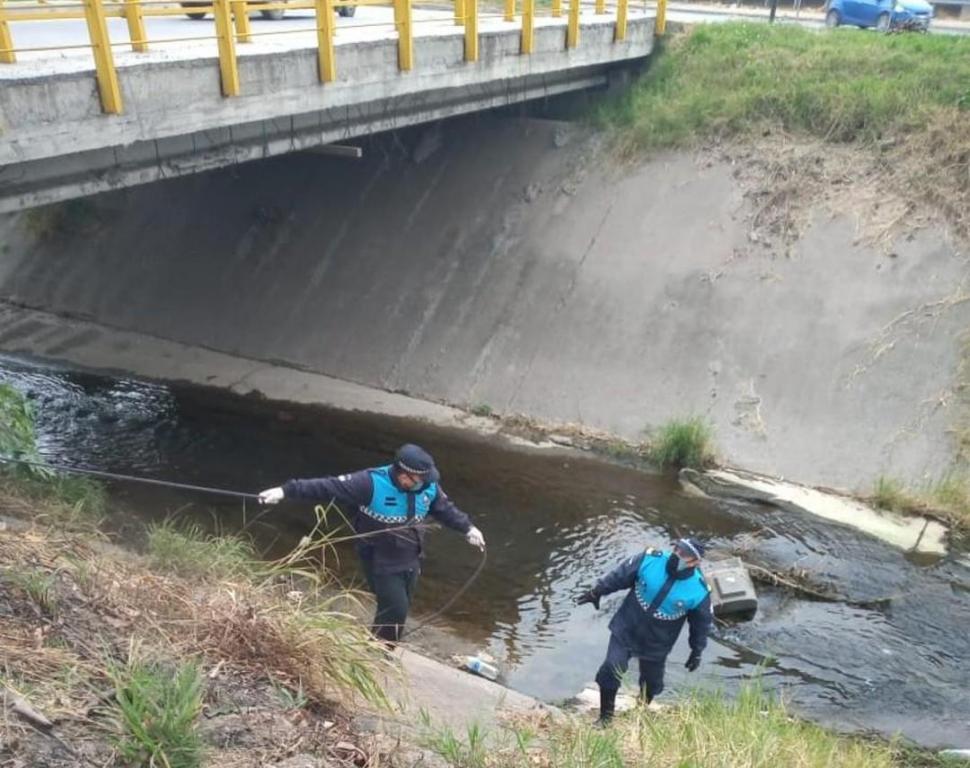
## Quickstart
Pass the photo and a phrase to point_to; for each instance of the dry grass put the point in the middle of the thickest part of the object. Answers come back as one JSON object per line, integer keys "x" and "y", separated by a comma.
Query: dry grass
{"x": 889, "y": 190}
{"x": 870, "y": 125}
{"x": 278, "y": 625}
{"x": 947, "y": 498}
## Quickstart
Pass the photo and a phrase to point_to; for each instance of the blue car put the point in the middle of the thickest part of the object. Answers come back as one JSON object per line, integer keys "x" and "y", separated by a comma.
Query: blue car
{"x": 884, "y": 15}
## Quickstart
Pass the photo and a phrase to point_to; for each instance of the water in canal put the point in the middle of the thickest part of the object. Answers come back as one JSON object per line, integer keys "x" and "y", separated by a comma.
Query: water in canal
{"x": 554, "y": 521}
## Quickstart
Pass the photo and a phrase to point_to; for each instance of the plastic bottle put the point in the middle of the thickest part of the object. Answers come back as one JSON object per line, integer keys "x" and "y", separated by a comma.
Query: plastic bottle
{"x": 480, "y": 667}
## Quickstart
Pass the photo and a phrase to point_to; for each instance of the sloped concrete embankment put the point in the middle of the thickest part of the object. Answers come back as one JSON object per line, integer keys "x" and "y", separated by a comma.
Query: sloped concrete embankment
{"x": 511, "y": 263}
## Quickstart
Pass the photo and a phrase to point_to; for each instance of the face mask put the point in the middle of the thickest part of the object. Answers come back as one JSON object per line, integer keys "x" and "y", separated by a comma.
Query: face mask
{"x": 681, "y": 565}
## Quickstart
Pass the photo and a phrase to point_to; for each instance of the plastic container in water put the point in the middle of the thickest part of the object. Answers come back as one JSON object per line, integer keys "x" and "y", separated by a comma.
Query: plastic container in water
{"x": 732, "y": 591}
{"x": 479, "y": 667}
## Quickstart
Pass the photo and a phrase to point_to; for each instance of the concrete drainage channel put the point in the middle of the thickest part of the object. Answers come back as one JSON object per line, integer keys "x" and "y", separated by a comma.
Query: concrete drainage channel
{"x": 556, "y": 522}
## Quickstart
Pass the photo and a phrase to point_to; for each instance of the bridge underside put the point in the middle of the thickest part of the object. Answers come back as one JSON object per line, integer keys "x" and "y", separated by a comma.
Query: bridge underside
{"x": 175, "y": 122}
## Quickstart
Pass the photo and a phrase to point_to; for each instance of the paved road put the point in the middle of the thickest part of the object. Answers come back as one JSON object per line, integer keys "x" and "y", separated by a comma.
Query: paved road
{"x": 297, "y": 30}
{"x": 807, "y": 18}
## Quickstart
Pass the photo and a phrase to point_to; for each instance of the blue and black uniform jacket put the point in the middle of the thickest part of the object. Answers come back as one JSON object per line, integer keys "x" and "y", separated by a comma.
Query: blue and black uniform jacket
{"x": 660, "y": 600}
{"x": 373, "y": 502}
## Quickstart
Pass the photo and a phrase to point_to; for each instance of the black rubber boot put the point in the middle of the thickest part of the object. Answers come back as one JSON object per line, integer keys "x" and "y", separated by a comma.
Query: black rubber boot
{"x": 607, "y": 706}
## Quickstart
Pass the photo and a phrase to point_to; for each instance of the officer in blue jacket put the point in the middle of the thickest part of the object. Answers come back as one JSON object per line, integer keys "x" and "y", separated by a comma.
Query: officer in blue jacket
{"x": 666, "y": 589}
{"x": 386, "y": 503}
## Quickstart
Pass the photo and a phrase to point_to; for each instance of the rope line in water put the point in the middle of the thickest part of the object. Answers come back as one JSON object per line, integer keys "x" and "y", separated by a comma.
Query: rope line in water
{"x": 396, "y": 530}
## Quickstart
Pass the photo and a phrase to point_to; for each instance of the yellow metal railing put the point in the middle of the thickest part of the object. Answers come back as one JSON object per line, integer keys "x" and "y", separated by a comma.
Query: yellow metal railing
{"x": 232, "y": 26}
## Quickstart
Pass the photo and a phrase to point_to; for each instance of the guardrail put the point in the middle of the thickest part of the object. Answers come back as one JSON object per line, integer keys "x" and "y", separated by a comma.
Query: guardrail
{"x": 231, "y": 18}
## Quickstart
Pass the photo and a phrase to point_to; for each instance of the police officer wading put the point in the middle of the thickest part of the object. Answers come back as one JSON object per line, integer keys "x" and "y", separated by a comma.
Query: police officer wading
{"x": 666, "y": 589}
{"x": 379, "y": 502}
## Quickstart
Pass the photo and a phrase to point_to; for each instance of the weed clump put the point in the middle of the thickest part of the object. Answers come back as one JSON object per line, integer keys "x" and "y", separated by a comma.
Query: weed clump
{"x": 155, "y": 712}
{"x": 683, "y": 443}
{"x": 889, "y": 493}
{"x": 188, "y": 551}
{"x": 947, "y": 497}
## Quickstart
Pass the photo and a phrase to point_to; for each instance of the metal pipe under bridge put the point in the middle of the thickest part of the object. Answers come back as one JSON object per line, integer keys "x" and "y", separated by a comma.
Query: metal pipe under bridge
{"x": 104, "y": 94}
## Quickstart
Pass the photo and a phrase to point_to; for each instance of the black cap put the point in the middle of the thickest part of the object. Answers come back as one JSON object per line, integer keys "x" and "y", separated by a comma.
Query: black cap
{"x": 414, "y": 460}
{"x": 691, "y": 545}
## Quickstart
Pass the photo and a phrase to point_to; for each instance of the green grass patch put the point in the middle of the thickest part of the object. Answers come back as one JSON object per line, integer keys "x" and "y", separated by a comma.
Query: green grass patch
{"x": 187, "y": 550}
{"x": 706, "y": 729}
{"x": 742, "y": 78}
{"x": 155, "y": 714}
{"x": 683, "y": 443}
{"x": 948, "y": 497}
{"x": 472, "y": 751}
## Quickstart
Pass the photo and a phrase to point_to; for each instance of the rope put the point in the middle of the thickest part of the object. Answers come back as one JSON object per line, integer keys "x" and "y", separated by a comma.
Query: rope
{"x": 395, "y": 530}
{"x": 132, "y": 478}
{"x": 450, "y": 601}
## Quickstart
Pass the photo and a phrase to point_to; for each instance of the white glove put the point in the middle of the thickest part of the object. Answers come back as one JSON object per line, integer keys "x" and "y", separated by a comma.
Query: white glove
{"x": 271, "y": 496}
{"x": 475, "y": 538}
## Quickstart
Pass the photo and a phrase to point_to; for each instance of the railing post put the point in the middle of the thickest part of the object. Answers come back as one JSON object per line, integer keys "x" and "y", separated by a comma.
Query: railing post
{"x": 326, "y": 62}
{"x": 528, "y": 25}
{"x": 7, "y": 56}
{"x": 459, "y": 12}
{"x": 240, "y": 17}
{"x": 104, "y": 62}
{"x": 572, "y": 29}
{"x": 471, "y": 30}
{"x": 556, "y": 8}
{"x": 228, "y": 67}
{"x": 600, "y": 7}
{"x": 510, "y": 10}
{"x": 660, "y": 25}
{"x": 621, "y": 8}
{"x": 136, "y": 26}
{"x": 405, "y": 36}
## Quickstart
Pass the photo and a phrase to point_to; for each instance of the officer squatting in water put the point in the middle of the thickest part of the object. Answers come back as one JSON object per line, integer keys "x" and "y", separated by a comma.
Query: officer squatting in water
{"x": 378, "y": 502}
{"x": 666, "y": 589}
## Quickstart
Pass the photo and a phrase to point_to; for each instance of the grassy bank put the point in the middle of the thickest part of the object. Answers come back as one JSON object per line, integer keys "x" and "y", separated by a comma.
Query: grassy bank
{"x": 744, "y": 78}
{"x": 703, "y": 731}
{"x": 771, "y": 88}
{"x": 193, "y": 653}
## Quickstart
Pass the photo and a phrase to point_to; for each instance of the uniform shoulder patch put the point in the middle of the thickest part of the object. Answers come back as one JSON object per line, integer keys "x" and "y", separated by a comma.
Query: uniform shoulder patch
{"x": 653, "y": 552}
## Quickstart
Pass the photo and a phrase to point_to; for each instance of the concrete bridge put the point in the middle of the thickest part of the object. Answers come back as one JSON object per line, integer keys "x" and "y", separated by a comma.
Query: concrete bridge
{"x": 163, "y": 96}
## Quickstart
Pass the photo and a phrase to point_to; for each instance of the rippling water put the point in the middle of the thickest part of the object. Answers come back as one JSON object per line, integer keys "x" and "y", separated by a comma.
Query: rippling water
{"x": 554, "y": 522}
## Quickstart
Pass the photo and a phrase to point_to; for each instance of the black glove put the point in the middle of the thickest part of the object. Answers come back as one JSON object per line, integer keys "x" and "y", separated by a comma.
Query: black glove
{"x": 693, "y": 661}
{"x": 589, "y": 596}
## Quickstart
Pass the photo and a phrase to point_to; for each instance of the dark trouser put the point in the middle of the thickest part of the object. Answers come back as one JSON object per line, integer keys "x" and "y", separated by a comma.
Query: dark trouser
{"x": 393, "y": 592}
{"x": 611, "y": 673}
